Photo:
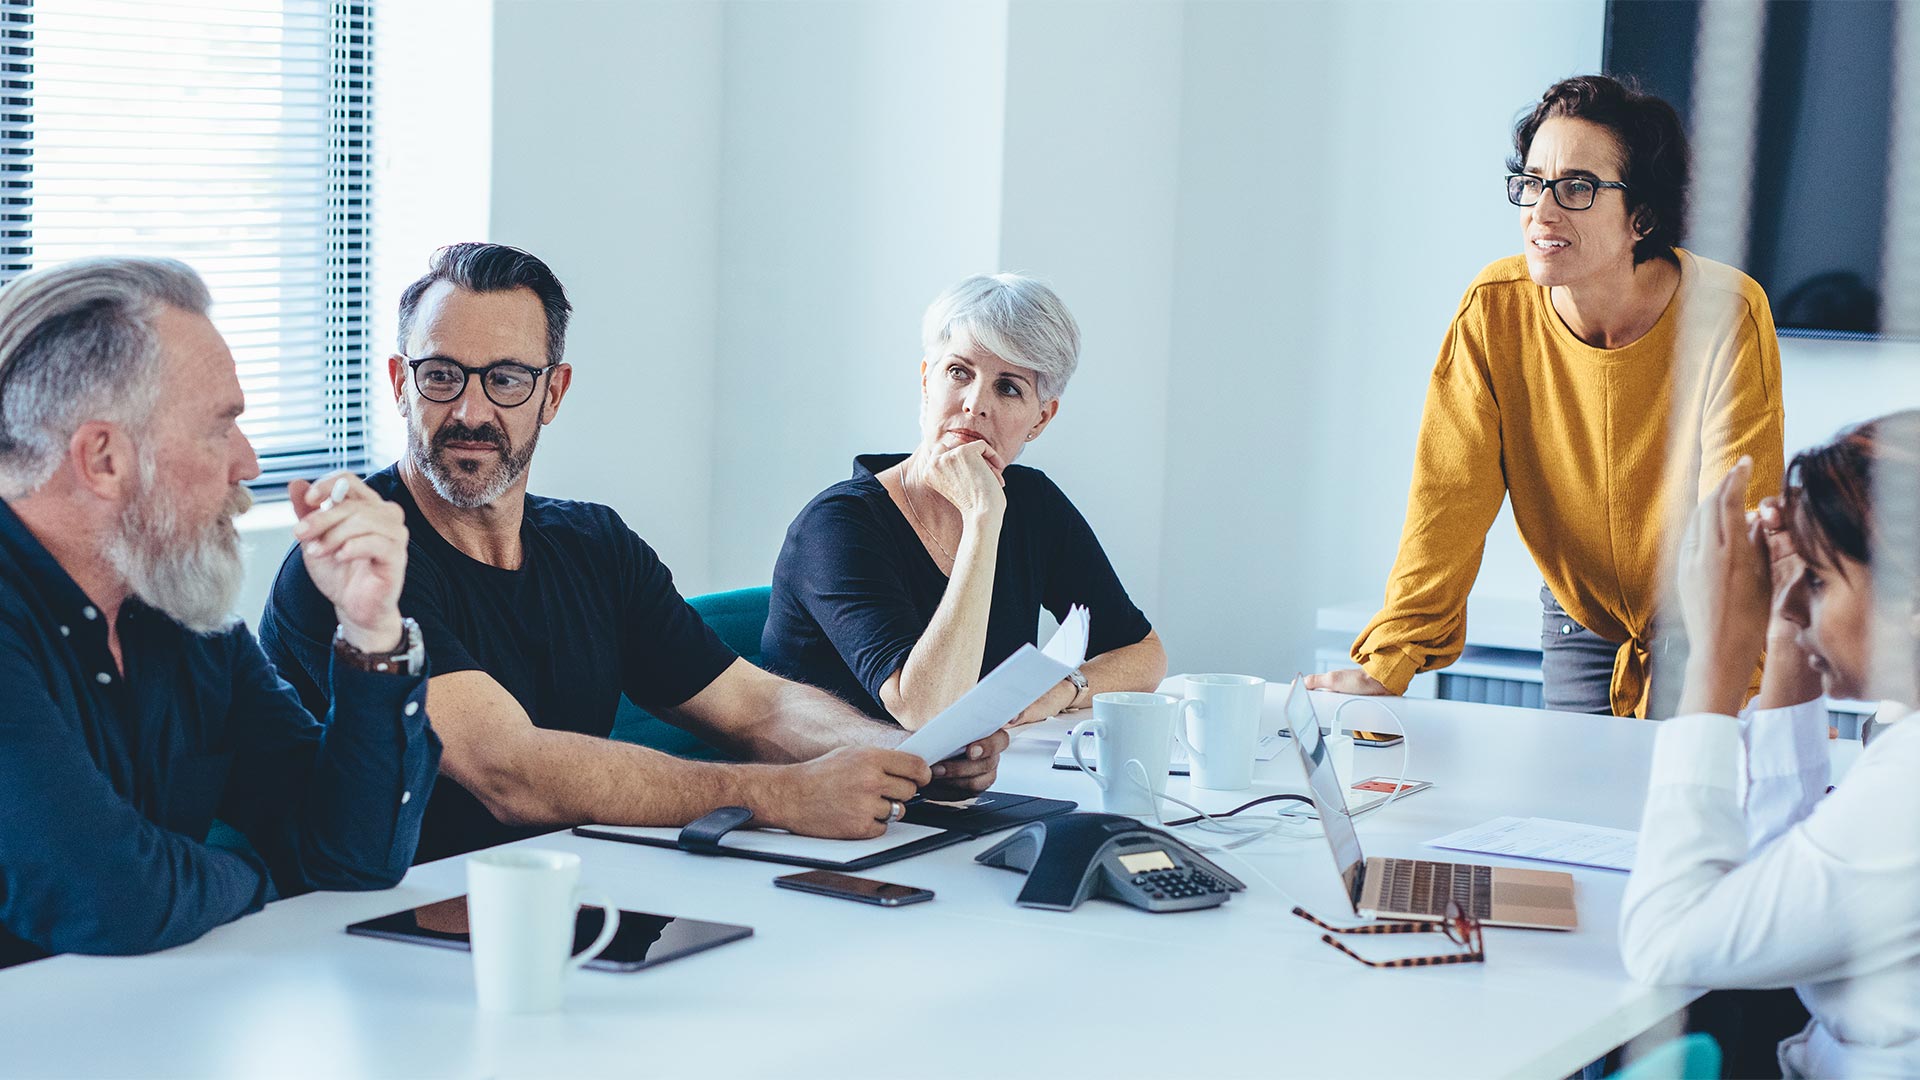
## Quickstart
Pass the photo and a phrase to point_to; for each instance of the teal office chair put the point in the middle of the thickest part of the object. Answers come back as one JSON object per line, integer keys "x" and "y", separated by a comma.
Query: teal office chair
{"x": 1689, "y": 1057}
{"x": 737, "y": 617}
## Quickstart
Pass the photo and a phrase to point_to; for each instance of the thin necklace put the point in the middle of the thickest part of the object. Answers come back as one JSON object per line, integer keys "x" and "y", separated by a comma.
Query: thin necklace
{"x": 915, "y": 511}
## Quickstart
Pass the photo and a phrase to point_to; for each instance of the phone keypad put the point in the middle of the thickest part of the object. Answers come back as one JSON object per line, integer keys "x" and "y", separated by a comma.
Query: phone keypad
{"x": 1179, "y": 884}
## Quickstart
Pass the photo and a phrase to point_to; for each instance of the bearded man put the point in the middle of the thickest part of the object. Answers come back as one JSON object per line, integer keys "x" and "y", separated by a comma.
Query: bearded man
{"x": 133, "y": 708}
{"x": 539, "y": 612}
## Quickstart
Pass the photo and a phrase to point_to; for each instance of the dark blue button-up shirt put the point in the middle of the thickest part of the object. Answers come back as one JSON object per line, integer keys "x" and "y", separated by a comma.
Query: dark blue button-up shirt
{"x": 109, "y": 781}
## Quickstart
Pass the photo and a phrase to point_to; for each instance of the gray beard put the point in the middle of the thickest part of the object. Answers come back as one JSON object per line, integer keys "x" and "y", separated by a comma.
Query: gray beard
{"x": 191, "y": 576}
{"x": 469, "y": 490}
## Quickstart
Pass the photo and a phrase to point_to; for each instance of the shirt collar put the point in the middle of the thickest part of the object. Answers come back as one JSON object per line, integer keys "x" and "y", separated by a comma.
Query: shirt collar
{"x": 867, "y": 466}
{"x": 40, "y": 570}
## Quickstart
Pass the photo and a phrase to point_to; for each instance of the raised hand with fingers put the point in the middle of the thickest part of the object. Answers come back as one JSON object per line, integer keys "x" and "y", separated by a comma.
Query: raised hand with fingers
{"x": 354, "y": 544}
{"x": 1726, "y": 596}
{"x": 969, "y": 476}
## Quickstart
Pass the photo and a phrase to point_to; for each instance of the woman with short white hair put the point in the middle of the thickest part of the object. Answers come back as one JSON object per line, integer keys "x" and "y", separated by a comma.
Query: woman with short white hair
{"x": 898, "y": 588}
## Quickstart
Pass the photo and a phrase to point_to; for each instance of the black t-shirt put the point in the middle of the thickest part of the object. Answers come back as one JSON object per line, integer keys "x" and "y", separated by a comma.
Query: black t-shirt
{"x": 591, "y": 612}
{"x": 854, "y": 588}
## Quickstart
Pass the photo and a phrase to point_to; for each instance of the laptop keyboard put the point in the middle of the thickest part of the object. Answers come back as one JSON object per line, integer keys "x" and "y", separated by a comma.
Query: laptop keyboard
{"x": 1419, "y": 887}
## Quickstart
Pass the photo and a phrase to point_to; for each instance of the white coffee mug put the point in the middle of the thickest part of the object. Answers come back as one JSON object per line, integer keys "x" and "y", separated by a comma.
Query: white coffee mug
{"x": 1135, "y": 750}
{"x": 1222, "y": 729}
{"x": 521, "y": 905}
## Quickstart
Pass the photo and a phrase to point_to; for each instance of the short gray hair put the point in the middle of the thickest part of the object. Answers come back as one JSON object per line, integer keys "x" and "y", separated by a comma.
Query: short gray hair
{"x": 1016, "y": 318}
{"x": 77, "y": 343}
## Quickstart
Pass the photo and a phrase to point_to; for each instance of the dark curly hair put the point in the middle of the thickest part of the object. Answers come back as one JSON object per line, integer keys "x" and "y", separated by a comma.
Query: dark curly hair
{"x": 1653, "y": 152}
{"x": 1832, "y": 491}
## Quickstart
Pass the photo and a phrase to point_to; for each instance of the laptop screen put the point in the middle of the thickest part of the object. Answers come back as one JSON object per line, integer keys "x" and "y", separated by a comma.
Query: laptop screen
{"x": 1323, "y": 784}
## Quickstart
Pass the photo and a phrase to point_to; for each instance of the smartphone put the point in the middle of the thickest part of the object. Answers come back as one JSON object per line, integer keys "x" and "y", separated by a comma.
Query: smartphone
{"x": 848, "y": 887}
{"x": 1376, "y": 738}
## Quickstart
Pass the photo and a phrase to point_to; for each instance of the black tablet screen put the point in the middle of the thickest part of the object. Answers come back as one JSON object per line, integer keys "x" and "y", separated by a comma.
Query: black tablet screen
{"x": 642, "y": 941}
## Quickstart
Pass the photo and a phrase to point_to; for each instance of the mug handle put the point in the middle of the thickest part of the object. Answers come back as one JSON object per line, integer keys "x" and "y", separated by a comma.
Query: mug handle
{"x": 607, "y": 929}
{"x": 1190, "y": 709}
{"x": 1098, "y": 728}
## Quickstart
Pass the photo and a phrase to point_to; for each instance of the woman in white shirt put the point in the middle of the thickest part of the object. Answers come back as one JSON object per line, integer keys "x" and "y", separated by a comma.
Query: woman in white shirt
{"x": 1750, "y": 873}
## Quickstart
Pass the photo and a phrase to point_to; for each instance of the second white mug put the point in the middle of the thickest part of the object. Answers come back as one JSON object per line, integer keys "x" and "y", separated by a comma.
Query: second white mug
{"x": 1135, "y": 749}
{"x": 1223, "y": 729}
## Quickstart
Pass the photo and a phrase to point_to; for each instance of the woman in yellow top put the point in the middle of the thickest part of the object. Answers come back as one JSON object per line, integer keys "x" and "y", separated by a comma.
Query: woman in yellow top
{"x": 1604, "y": 380}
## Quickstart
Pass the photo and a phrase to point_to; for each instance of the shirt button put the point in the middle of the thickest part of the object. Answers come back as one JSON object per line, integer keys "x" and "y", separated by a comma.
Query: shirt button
{"x": 90, "y": 612}
{"x": 64, "y": 632}
{"x": 412, "y": 707}
{"x": 1567, "y": 629}
{"x": 406, "y": 797}
{"x": 103, "y": 678}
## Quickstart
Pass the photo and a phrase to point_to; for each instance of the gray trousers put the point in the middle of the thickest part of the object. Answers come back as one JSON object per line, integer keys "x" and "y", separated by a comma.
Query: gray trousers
{"x": 1576, "y": 664}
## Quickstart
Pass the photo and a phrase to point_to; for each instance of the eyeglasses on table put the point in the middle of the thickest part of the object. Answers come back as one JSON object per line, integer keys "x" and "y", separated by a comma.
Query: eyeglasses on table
{"x": 1459, "y": 927}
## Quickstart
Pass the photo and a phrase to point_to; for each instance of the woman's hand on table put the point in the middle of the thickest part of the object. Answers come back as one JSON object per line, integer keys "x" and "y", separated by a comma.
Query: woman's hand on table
{"x": 1348, "y": 681}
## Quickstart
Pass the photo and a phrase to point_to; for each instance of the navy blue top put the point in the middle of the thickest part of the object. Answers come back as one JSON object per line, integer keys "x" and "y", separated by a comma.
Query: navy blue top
{"x": 590, "y": 612}
{"x": 109, "y": 783}
{"x": 854, "y": 588}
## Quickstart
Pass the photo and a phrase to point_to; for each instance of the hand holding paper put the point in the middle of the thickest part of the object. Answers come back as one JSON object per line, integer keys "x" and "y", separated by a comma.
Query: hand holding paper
{"x": 996, "y": 700}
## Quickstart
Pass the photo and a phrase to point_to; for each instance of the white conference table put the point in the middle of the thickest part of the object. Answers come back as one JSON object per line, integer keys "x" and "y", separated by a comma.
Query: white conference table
{"x": 966, "y": 985}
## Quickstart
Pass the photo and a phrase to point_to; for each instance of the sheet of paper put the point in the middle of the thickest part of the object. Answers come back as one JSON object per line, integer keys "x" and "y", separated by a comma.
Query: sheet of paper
{"x": 1548, "y": 841}
{"x": 1068, "y": 645}
{"x": 776, "y": 842}
{"x": 994, "y": 701}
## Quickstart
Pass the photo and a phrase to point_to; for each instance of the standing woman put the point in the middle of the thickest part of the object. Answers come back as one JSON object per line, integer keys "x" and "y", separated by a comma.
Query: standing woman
{"x": 1602, "y": 380}
{"x": 1750, "y": 873}
{"x": 899, "y": 588}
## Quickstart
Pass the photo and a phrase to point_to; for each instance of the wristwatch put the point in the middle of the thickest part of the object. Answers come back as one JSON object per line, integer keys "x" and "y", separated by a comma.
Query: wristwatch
{"x": 409, "y": 658}
{"x": 1079, "y": 682}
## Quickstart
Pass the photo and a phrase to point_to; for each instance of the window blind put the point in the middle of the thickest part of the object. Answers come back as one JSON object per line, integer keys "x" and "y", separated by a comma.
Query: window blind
{"x": 234, "y": 135}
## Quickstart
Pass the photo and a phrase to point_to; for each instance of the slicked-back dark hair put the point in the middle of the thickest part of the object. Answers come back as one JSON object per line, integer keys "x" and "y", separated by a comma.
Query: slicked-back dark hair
{"x": 1653, "y": 152}
{"x": 486, "y": 268}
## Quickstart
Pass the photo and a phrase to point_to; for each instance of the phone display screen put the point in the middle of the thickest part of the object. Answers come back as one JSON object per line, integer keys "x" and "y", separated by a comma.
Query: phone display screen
{"x": 1142, "y": 861}
{"x": 643, "y": 940}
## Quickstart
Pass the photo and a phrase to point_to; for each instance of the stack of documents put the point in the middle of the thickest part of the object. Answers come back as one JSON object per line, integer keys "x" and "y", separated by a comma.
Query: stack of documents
{"x": 1548, "y": 841}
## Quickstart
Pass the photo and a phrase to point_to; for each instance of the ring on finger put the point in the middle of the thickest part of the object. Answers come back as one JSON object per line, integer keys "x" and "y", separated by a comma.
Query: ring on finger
{"x": 898, "y": 810}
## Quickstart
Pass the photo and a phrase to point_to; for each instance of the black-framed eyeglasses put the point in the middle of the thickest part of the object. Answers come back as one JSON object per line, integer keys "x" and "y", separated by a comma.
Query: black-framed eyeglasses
{"x": 1571, "y": 192}
{"x": 1459, "y": 927}
{"x": 507, "y": 383}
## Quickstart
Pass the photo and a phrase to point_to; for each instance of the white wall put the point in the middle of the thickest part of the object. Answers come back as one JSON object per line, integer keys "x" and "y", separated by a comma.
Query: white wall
{"x": 752, "y": 202}
{"x": 1314, "y": 297}
{"x": 606, "y": 135}
{"x": 1092, "y": 181}
{"x": 433, "y": 166}
{"x": 861, "y": 175}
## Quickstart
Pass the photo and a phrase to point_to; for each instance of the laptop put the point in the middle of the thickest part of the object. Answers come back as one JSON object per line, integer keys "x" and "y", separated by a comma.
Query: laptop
{"x": 1418, "y": 889}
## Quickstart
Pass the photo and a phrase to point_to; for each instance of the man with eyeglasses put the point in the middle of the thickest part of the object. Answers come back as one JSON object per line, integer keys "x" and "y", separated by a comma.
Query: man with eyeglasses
{"x": 538, "y": 613}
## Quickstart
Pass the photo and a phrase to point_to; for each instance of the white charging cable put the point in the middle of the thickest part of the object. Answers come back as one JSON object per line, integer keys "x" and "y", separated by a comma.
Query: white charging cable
{"x": 1248, "y": 832}
{"x": 1406, "y": 749}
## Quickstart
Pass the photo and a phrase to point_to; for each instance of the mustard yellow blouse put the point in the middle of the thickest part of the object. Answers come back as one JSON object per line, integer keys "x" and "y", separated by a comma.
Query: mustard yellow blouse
{"x": 1602, "y": 451}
